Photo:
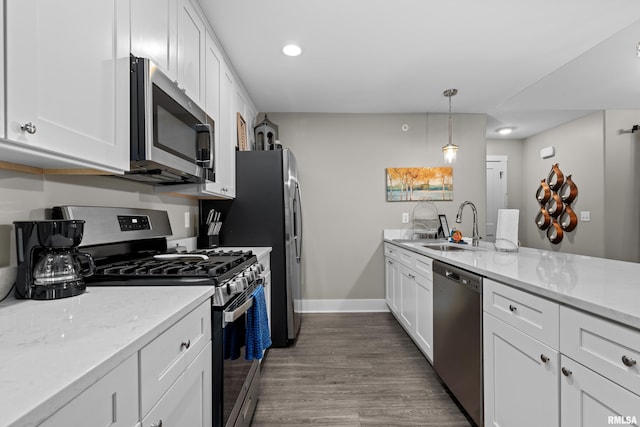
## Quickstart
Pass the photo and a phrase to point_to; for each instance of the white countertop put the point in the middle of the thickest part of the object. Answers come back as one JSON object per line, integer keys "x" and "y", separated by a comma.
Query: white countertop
{"x": 50, "y": 351}
{"x": 601, "y": 286}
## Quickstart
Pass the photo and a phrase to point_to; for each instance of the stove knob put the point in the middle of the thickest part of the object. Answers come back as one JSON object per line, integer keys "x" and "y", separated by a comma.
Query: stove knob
{"x": 259, "y": 268}
{"x": 243, "y": 283}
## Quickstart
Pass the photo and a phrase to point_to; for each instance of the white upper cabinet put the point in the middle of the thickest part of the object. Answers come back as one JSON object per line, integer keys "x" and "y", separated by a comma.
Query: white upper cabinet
{"x": 213, "y": 67}
{"x": 191, "y": 48}
{"x": 154, "y": 33}
{"x": 67, "y": 84}
{"x": 226, "y": 173}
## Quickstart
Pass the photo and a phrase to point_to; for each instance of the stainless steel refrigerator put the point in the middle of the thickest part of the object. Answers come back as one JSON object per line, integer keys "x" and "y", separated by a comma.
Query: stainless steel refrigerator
{"x": 266, "y": 212}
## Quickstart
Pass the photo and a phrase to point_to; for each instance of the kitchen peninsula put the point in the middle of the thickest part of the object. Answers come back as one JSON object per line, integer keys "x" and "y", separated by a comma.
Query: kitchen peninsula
{"x": 556, "y": 327}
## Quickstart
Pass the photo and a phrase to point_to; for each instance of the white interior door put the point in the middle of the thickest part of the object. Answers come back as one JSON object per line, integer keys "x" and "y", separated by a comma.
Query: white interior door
{"x": 496, "y": 192}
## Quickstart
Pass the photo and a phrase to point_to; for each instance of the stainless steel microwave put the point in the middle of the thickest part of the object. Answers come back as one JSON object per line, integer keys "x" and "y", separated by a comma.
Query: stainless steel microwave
{"x": 172, "y": 138}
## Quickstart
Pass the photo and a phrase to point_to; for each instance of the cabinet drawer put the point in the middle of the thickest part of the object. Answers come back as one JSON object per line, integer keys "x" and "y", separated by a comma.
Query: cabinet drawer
{"x": 188, "y": 401}
{"x": 535, "y": 316}
{"x": 164, "y": 359}
{"x": 391, "y": 251}
{"x": 407, "y": 258}
{"x": 424, "y": 266}
{"x": 610, "y": 349}
{"x": 112, "y": 401}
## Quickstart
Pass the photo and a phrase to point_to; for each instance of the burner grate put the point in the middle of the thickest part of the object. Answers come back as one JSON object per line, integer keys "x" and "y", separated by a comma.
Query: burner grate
{"x": 218, "y": 264}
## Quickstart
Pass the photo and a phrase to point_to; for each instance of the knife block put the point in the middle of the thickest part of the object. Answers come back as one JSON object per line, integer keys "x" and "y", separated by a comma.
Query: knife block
{"x": 206, "y": 241}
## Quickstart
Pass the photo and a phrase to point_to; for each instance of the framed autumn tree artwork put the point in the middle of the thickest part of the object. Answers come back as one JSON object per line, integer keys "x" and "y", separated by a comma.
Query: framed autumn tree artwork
{"x": 411, "y": 184}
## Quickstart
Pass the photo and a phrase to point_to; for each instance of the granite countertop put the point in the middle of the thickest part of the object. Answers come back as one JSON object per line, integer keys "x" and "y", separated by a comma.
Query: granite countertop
{"x": 605, "y": 287}
{"x": 51, "y": 351}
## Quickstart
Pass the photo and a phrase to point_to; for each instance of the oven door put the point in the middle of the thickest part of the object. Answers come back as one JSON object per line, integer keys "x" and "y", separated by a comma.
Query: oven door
{"x": 236, "y": 382}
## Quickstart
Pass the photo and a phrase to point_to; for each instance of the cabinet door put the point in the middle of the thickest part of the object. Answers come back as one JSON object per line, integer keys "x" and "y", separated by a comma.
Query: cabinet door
{"x": 112, "y": 401}
{"x": 153, "y": 33}
{"x": 188, "y": 400}
{"x": 424, "y": 315}
{"x": 67, "y": 83}
{"x": 408, "y": 299}
{"x": 226, "y": 173}
{"x": 191, "y": 41}
{"x": 591, "y": 400}
{"x": 520, "y": 378}
{"x": 391, "y": 284}
{"x": 213, "y": 67}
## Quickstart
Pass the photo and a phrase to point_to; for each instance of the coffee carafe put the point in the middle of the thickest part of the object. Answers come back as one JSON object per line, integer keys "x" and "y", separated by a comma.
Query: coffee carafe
{"x": 49, "y": 264}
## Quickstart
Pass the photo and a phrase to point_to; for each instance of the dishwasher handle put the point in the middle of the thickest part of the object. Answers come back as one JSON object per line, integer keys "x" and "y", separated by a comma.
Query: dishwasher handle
{"x": 457, "y": 276}
{"x": 452, "y": 275}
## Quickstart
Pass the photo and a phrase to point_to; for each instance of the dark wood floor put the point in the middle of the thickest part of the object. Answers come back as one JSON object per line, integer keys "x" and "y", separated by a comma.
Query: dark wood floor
{"x": 353, "y": 369}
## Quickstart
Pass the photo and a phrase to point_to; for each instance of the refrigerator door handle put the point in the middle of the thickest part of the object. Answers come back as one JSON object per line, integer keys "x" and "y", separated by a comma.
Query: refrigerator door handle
{"x": 297, "y": 214}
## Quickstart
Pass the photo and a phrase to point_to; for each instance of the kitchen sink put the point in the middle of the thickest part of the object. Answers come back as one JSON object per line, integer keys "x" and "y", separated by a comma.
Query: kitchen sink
{"x": 446, "y": 248}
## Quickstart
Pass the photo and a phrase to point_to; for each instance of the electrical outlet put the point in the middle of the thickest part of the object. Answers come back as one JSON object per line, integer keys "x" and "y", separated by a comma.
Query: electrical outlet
{"x": 585, "y": 216}
{"x": 187, "y": 220}
{"x": 405, "y": 217}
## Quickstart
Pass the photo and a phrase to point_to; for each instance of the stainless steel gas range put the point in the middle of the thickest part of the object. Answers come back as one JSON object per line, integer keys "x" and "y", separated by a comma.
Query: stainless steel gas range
{"x": 129, "y": 247}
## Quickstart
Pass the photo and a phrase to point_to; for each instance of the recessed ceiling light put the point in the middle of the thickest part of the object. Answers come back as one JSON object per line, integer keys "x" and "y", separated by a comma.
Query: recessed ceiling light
{"x": 291, "y": 50}
{"x": 504, "y": 131}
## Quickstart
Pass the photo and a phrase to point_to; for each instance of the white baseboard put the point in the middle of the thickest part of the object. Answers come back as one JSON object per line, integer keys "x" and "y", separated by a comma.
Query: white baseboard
{"x": 342, "y": 305}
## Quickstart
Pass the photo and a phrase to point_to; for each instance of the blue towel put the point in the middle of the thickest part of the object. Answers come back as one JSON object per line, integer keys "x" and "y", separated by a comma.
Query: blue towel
{"x": 233, "y": 341}
{"x": 257, "y": 332}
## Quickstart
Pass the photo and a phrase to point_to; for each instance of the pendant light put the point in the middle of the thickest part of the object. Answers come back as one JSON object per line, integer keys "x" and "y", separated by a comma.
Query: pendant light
{"x": 450, "y": 149}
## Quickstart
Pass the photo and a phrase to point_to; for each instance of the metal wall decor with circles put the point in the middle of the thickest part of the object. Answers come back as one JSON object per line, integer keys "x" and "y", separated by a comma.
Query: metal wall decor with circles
{"x": 555, "y": 195}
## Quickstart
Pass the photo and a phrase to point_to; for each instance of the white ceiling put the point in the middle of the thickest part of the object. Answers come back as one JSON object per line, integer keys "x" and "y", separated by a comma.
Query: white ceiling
{"x": 532, "y": 64}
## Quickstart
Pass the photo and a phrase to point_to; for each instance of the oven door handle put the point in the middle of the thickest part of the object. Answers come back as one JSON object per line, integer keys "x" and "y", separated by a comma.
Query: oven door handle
{"x": 232, "y": 316}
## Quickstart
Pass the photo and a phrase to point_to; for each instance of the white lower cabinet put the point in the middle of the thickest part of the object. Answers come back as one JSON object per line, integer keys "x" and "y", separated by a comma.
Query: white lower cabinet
{"x": 520, "y": 378}
{"x": 112, "y": 401}
{"x": 392, "y": 277}
{"x": 424, "y": 315}
{"x": 591, "y": 400}
{"x": 166, "y": 383}
{"x": 164, "y": 359}
{"x": 408, "y": 299}
{"x": 590, "y": 381}
{"x": 188, "y": 400}
{"x": 409, "y": 294}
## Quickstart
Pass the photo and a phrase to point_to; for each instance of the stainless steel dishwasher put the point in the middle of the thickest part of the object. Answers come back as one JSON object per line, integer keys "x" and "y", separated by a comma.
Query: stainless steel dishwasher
{"x": 457, "y": 335}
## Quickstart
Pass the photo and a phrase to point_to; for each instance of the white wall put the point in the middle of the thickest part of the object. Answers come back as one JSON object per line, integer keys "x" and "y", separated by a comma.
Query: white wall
{"x": 622, "y": 185}
{"x": 579, "y": 149}
{"x": 341, "y": 162}
{"x": 26, "y": 196}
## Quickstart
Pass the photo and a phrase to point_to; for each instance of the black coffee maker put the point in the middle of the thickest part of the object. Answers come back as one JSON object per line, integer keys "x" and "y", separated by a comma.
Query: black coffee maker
{"x": 49, "y": 264}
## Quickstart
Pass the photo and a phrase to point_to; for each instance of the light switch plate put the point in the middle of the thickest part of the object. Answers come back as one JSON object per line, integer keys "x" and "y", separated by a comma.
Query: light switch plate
{"x": 585, "y": 216}
{"x": 187, "y": 220}
{"x": 405, "y": 217}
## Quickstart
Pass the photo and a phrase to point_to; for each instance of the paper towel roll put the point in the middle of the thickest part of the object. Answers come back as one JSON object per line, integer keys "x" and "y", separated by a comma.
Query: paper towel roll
{"x": 507, "y": 229}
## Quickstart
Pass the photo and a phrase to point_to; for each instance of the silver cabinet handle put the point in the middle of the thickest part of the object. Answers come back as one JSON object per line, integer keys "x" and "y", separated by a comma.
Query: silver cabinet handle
{"x": 29, "y": 128}
{"x": 185, "y": 345}
{"x": 628, "y": 361}
{"x": 512, "y": 308}
{"x": 566, "y": 372}
{"x": 390, "y": 262}
{"x": 544, "y": 358}
{"x": 411, "y": 276}
{"x": 158, "y": 424}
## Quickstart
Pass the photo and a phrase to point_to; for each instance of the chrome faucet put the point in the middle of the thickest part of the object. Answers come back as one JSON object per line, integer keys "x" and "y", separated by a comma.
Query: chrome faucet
{"x": 475, "y": 237}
